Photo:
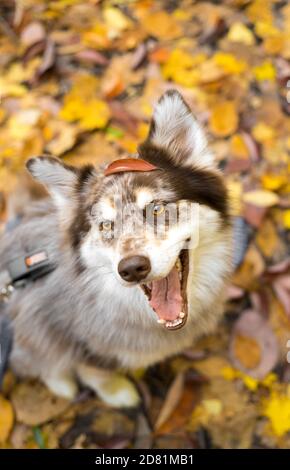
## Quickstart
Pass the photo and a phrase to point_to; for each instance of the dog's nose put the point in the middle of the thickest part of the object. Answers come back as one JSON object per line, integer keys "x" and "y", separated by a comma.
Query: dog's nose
{"x": 134, "y": 268}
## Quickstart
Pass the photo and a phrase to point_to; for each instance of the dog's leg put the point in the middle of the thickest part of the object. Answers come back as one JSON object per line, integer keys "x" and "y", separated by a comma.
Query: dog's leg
{"x": 62, "y": 385}
{"x": 114, "y": 389}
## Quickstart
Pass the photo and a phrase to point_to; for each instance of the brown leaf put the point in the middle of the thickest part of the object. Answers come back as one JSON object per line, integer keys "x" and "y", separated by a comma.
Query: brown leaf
{"x": 35, "y": 405}
{"x": 254, "y": 347}
{"x": 171, "y": 401}
{"x": 92, "y": 57}
{"x": 282, "y": 289}
{"x": 48, "y": 58}
{"x": 33, "y": 33}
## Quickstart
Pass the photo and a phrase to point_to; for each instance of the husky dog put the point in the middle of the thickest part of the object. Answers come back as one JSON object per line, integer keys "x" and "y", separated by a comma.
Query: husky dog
{"x": 128, "y": 298}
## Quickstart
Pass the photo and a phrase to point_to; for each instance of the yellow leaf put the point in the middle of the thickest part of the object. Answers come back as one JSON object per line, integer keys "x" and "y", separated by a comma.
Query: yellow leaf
{"x": 276, "y": 43}
{"x": 229, "y": 63}
{"x": 261, "y": 198}
{"x": 286, "y": 219}
{"x": 161, "y": 25}
{"x": 240, "y": 33}
{"x": 143, "y": 130}
{"x": 251, "y": 383}
{"x": 115, "y": 19}
{"x": 273, "y": 182}
{"x": 180, "y": 67}
{"x": 129, "y": 143}
{"x": 238, "y": 147}
{"x": 22, "y": 124}
{"x": 11, "y": 89}
{"x": 97, "y": 37}
{"x": 277, "y": 409}
{"x": 81, "y": 104}
{"x": 269, "y": 380}
{"x": 6, "y": 419}
{"x": 265, "y": 71}
{"x": 96, "y": 115}
{"x": 230, "y": 373}
{"x": 266, "y": 29}
{"x": 224, "y": 119}
{"x": 260, "y": 10}
{"x": 262, "y": 132}
{"x": 62, "y": 137}
{"x": 212, "y": 406}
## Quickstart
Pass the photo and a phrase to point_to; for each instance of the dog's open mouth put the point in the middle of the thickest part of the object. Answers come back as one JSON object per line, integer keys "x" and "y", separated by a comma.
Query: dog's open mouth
{"x": 167, "y": 296}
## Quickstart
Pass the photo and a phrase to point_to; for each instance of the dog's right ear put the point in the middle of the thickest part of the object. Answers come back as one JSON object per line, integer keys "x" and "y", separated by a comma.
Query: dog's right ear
{"x": 175, "y": 130}
{"x": 59, "y": 179}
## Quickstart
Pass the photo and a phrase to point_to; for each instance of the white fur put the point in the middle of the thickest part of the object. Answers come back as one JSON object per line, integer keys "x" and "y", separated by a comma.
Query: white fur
{"x": 144, "y": 196}
{"x": 112, "y": 388}
{"x": 176, "y": 128}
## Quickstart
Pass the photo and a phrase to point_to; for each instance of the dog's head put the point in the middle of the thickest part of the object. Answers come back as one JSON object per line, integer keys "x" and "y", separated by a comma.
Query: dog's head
{"x": 141, "y": 223}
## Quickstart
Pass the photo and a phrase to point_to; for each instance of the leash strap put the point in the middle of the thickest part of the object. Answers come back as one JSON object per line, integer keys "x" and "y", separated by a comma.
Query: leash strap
{"x": 6, "y": 340}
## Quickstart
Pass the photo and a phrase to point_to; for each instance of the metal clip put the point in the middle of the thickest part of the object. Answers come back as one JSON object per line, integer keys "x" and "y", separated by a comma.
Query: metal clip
{"x": 6, "y": 292}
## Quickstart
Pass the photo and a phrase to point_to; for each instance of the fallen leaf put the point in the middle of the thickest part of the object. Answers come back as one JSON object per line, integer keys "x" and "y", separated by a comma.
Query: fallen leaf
{"x": 34, "y": 404}
{"x": 263, "y": 133}
{"x": 261, "y": 198}
{"x": 63, "y": 137}
{"x": 229, "y": 63}
{"x": 254, "y": 347}
{"x": 282, "y": 289}
{"x": 238, "y": 147}
{"x": 265, "y": 71}
{"x": 224, "y": 119}
{"x": 273, "y": 182}
{"x": 286, "y": 219}
{"x": 254, "y": 215}
{"x": 171, "y": 401}
{"x": 240, "y": 33}
{"x": 32, "y": 33}
{"x": 268, "y": 240}
{"x": 6, "y": 419}
{"x": 247, "y": 351}
{"x": 116, "y": 20}
{"x": 277, "y": 409}
{"x": 161, "y": 25}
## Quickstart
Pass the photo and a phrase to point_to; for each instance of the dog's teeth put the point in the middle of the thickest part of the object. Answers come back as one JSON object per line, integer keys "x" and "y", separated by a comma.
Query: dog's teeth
{"x": 178, "y": 265}
{"x": 181, "y": 315}
{"x": 172, "y": 324}
{"x": 161, "y": 321}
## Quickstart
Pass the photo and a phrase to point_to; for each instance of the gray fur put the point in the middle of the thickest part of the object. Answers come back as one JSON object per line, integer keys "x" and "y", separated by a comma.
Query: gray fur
{"x": 82, "y": 313}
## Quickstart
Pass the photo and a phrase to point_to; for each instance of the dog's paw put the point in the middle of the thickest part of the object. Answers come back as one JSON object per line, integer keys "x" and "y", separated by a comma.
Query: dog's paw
{"x": 114, "y": 389}
{"x": 64, "y": 387}
{"x": 119, "y": 392}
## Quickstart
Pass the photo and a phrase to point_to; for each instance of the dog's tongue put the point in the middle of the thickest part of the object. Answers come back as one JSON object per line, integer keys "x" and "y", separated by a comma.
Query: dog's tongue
{"x": 166, "y": 297}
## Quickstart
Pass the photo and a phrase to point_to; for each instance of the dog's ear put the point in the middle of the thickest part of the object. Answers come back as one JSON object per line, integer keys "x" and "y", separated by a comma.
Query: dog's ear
{"x": 174, "y": 129}
{"x": 59, "y": 179}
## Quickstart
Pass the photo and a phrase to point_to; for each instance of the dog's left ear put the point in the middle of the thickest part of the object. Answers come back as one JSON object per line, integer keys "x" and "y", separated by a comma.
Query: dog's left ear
{"x": 59, "y": 179}
{"x": 174, "y": 129}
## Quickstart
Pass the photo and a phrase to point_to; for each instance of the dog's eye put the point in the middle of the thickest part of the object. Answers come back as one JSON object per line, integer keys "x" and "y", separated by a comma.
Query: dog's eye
{"x": 158, "y": 208}
{"x": 105, "y": 226}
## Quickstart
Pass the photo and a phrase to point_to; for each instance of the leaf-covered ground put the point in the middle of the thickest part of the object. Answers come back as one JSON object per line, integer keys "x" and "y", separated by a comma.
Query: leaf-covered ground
{"x": 78, "y": 80}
